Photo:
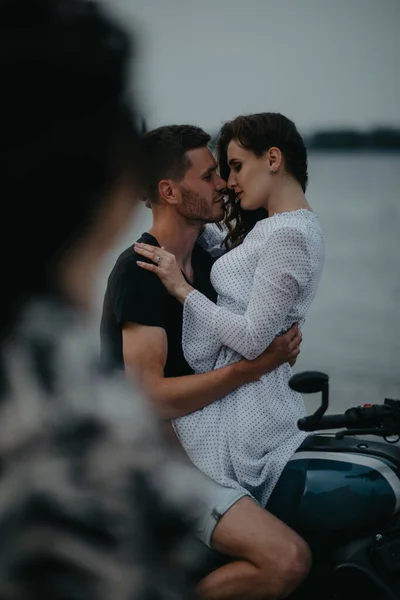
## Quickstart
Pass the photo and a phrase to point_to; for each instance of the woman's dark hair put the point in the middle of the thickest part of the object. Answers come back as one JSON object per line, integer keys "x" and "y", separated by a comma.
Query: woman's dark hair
{"x": 68, "y": 135}
{"x": 258, "y": 133}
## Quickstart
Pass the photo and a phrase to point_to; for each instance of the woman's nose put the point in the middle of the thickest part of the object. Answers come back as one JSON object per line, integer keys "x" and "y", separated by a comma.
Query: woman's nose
{"x": 231, "y": 181}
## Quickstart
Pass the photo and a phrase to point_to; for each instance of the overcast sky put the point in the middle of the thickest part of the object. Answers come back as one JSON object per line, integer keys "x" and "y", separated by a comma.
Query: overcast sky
{"x": 320, "y": 62}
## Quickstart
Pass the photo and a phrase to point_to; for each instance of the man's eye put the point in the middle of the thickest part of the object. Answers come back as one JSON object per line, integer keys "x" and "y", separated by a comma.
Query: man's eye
{"x": 207, "y": 178}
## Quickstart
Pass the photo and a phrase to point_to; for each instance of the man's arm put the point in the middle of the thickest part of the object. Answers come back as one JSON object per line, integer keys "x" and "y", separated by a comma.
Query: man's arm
{"x": 145, "y": 351}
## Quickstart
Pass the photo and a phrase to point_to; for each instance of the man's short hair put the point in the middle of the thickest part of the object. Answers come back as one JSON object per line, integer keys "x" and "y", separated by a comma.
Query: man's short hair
{"x": 164, "y": 153}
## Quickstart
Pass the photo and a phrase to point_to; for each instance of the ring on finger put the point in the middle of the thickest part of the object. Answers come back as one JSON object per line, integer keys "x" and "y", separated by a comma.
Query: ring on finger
{"x": 158, "y": 259}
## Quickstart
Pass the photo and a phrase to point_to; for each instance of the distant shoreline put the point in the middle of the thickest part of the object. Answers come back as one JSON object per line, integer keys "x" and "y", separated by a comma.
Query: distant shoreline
{"x": 351, "y": 150}
{"x": 378, "y": 139}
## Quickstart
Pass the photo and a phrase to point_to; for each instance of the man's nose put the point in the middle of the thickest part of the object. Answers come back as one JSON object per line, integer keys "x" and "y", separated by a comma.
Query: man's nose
{"x": 221, "y": 183}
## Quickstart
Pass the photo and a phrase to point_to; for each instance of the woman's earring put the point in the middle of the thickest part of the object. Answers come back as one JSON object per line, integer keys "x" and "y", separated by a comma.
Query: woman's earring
{"x": 272, "y": 170}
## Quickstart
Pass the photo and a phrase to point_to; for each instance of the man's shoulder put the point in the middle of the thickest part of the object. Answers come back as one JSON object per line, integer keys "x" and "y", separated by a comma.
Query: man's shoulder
{"x": 126, "y": 271}
{"x": 126, "y": 261}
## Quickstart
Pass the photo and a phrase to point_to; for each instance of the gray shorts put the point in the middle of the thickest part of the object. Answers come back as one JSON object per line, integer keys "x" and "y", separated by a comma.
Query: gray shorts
{"x": 215, "y": 501}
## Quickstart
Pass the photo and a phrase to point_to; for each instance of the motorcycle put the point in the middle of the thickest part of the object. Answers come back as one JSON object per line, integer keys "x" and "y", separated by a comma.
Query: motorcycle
{"x": 341, "y": 492}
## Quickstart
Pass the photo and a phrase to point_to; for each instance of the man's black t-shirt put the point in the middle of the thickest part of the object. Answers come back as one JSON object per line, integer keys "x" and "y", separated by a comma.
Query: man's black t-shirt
{"x": 138, "y": 296}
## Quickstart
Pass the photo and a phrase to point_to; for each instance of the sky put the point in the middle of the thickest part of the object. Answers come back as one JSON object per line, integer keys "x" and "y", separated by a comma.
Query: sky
{"x": 323, "y": 63}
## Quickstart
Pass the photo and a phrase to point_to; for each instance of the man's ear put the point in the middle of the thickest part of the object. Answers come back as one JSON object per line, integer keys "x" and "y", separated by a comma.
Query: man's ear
{"x": 168, "y": 191}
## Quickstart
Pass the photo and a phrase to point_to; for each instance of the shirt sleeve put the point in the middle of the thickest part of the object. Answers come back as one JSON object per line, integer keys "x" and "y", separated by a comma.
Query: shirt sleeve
{"x": 139, "y": 297}
{"x": 212, "y": 239}
{"x": 282, "y": 270}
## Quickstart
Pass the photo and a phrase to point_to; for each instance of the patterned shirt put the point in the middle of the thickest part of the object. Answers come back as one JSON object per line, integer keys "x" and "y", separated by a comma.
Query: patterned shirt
{"x": 93, "y": 504}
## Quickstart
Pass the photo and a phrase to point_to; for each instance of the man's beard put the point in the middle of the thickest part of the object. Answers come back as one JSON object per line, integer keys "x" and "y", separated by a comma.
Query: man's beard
{"x": 195, "y": 207}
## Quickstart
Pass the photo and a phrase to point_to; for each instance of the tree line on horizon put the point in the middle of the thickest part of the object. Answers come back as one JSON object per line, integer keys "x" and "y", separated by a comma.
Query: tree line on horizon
{"x": 377, "y": 138}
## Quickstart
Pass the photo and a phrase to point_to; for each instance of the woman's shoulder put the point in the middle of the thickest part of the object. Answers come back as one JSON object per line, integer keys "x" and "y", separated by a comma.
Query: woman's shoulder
{"x": 296, "y": 229}
{"x": 303, "y": 221}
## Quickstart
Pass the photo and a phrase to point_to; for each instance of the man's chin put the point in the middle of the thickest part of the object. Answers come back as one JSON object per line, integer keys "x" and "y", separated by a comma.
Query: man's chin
{"x": 217, "y": 219}
{"x": 220, "y": 215}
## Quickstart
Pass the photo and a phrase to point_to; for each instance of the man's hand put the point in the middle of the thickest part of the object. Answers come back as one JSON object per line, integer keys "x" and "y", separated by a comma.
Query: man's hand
{"x": 284, "y": 348}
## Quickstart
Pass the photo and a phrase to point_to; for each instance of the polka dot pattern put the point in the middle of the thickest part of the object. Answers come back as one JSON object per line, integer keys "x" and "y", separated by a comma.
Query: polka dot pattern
{"x": 264, "y": 285}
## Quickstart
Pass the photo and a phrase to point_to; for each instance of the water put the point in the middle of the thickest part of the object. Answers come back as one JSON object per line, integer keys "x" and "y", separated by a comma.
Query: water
{"x": 353, "y": 330}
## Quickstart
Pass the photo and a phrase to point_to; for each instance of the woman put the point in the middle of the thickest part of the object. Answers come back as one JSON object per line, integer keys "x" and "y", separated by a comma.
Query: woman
{"x": 265, "y": 282}
{"x": 87, "y": 508}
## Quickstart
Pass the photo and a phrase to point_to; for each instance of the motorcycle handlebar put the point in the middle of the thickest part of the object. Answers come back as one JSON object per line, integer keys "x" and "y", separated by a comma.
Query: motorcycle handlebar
{"x": 327, "y": 422}
{"x": 362, "y": 417}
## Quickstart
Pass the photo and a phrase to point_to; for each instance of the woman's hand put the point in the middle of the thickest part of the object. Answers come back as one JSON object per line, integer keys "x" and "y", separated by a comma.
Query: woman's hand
{"x": 165, "y": 268}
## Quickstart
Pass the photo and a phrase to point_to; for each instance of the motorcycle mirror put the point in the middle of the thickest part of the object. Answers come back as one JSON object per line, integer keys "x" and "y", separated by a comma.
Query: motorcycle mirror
{"x": 308, "y": 382}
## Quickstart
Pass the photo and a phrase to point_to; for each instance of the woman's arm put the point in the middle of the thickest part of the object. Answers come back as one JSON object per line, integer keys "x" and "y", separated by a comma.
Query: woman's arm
{"x": 282, "y": 269}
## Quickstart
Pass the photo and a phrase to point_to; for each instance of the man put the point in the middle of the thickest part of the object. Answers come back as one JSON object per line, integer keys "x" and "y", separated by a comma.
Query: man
{"x": 141, "y": 331}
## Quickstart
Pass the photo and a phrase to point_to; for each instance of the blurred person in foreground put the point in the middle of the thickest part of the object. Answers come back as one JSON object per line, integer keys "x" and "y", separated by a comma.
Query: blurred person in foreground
{"x": 93, "y": 505}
